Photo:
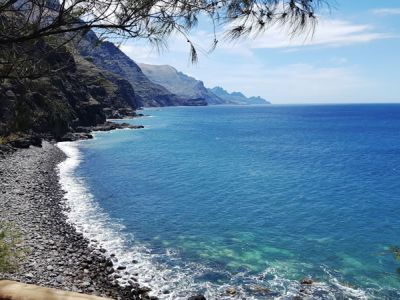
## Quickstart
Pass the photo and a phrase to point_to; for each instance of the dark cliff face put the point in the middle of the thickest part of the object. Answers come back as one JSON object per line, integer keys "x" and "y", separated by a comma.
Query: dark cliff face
{"x": 79, "y": 95}
{"x": 109, "y": 57}
{"x": 114, "y": 92}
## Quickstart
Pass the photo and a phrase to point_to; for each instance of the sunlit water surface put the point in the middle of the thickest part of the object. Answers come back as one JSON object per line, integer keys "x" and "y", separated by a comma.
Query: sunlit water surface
{"x": 255, "y": 198}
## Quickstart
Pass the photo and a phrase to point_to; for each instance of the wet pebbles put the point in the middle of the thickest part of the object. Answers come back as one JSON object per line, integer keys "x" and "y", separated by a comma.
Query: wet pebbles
{"x": 58, "y": 256}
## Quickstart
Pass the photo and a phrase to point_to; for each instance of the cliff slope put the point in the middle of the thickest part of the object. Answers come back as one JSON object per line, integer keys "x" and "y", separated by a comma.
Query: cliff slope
{"x": 109, "y": 57}
{"x": 80, "y": 94}
{"x": 184, "y": 86}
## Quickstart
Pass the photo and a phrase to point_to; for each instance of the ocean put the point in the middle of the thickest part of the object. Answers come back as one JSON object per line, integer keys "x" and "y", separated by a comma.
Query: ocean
{"x": 247, "y": 199}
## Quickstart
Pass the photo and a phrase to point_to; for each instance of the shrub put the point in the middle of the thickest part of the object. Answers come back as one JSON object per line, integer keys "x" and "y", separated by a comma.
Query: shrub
{"x": 11, "y": 252}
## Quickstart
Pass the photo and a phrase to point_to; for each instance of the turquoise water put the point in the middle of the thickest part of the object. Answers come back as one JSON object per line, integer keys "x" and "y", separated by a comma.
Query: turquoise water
{"x": 256, "y": 196}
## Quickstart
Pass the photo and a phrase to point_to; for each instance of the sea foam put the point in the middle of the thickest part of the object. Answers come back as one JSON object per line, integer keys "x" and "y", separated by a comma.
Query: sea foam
{"x": 165, "y": 281}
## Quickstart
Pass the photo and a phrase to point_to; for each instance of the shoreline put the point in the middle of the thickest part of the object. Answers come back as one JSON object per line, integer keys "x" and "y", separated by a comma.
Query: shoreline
{"x": 31, "y": 177}
{"x": 58, "y": 255}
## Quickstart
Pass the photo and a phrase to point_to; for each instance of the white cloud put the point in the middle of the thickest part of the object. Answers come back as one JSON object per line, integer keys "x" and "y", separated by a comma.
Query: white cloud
{"x": 328, "y": 33}
{"x": 240, "y": 67}
{"x": 387, "y": 11}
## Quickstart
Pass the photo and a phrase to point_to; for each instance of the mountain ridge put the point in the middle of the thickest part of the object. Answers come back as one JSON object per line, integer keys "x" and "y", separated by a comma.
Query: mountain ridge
{"x": 109, "y": 57}
{"x": 183, "y": 85}
{"x": 238, "y": 97}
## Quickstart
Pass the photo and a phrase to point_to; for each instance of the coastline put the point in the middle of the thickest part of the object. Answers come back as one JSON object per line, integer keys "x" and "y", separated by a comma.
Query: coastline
{"x": 43, "y": 178}
{"x": 58, "y": 255}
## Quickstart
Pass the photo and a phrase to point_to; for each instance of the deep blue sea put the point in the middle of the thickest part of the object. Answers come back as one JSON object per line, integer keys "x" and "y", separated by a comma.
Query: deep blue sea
{"x": 255, "y": 198}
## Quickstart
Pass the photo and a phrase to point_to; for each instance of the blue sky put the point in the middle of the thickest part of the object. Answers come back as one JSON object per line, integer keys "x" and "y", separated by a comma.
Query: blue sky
{"x": 353, "y": 57}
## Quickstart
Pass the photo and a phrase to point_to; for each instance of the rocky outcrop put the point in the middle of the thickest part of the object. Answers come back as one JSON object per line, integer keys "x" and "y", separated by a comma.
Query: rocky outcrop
{"x": 109, "y": 57}
{"x": 115, "y": 93}
{"x": 237, "y": 97}
{"x": 84, "y": 133}
{"x": 80, "y": 94}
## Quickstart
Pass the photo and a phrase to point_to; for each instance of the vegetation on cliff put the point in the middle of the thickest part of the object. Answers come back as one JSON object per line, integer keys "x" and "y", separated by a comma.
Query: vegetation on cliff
{"x": 52, "y": 105}
{"x": 56, "y": 75}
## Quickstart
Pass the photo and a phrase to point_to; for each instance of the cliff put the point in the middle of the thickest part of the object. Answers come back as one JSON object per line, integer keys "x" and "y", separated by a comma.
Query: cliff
{"x": 109, "y": 57}
{"x": 184, "y": 86}
{"x": 187, "y": 87}
{"x": 80, "y": 94}
{"x": 237, "y": 97}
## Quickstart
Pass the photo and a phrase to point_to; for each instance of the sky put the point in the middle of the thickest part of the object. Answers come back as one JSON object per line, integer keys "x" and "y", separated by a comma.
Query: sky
{"x": 353, "y": 57}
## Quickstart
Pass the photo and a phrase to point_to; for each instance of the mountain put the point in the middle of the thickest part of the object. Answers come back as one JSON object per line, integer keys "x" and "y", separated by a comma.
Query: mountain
{"x": 109, "y": 57}
{"x": 184, "y": 86}
{"x": 54, "y": 104}
{"x": 237, "y": 97}
{"x": 187, "y": 87}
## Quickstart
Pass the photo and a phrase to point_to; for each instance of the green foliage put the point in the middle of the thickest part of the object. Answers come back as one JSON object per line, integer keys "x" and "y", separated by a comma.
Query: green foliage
{"x": 11, "y": 253}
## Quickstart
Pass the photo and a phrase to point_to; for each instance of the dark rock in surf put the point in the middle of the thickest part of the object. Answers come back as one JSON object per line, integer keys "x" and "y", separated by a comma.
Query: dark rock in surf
{"x": 231, "y": 291}
{"x": 307, "y": 281}
{"x": 71, "y": 137}
{"x": 197, "y": 297}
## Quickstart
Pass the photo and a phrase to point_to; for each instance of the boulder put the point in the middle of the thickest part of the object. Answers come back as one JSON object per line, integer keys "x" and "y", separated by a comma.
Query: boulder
{"x": 307, "y": 281}
{"x": 231, "y": 291}
{"x": 197, "y": 297}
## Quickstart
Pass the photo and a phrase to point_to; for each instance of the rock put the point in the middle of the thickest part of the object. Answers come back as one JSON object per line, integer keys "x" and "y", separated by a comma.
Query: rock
{"x": 109, "y": 263}
{"x": 144, "y": 290}
{"x": 24, "y": 141}
{"x": 197, "y": 297}
{"x": 133, "y": 283}
{"x": 307, "y": 281}
{"x": 29, "y": 275}
{"x": 85, "y": 284}
{"x": 75, "y": 136}
{"x": 108, "y": 126}
{"x": 49, "y": 268}
{"x": 231, "y": 291}
{"x": 60, "y": 279}
{"x": 82, "y": 129}
{"x": 6, "y": 149}
{"x": 10, "y": 93}
{"x": 260, "y": 290}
